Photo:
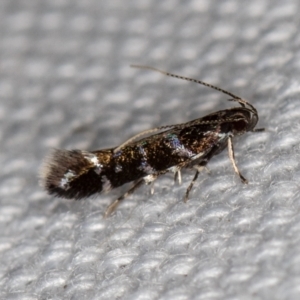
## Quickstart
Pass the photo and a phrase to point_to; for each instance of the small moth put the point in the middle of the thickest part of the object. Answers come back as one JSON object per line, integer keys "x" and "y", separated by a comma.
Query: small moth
{"x": 77, "y": 174}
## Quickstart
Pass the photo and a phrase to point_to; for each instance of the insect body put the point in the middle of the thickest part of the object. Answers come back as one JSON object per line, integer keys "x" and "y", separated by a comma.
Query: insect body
{"x": 78, "y": 174}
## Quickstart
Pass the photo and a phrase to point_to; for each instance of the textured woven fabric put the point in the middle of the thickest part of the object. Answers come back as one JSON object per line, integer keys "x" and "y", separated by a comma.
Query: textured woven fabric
{"x": 65, "y": 82}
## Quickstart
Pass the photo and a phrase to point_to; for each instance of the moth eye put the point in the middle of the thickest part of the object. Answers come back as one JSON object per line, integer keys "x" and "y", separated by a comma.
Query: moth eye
{"x": 240, "y": 126}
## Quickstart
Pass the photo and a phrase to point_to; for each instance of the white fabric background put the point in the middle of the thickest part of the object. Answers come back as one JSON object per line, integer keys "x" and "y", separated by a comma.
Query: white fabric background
{"x": 65, "y": 82}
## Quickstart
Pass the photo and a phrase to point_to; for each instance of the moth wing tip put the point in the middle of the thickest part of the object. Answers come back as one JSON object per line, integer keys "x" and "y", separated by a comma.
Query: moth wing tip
{"x": 52, "y": 168}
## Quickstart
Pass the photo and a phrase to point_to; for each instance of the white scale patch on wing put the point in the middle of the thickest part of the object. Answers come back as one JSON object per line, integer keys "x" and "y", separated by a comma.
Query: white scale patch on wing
{"x": 64, "y": 182}
{"x": 118, "y": 168}
{"x": 145, "y": 166}
{"x": 177, "y": 146}
{"x": 92, "y": 158}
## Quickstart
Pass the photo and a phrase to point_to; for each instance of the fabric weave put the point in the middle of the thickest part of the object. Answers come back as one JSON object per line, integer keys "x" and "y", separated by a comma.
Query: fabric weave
{"x": 65, "y": 82}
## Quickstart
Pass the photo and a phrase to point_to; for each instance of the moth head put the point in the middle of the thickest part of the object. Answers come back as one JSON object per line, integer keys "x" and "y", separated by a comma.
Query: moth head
{"x": 243, "y": 120}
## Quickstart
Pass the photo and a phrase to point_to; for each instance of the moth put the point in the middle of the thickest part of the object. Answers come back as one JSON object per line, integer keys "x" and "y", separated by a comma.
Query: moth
{"x": 77, "y": 174}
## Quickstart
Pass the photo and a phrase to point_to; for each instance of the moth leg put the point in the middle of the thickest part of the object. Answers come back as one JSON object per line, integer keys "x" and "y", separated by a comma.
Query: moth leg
{"x": 152, "y": 188}
{"x": 149, "y": 179}
{"x": 259, "y": 130}
{"x": 111, "y": 208}
{"x": 177, "y": 176}
{"x": 231, "y": 156}
{"x": 190, "y": 186}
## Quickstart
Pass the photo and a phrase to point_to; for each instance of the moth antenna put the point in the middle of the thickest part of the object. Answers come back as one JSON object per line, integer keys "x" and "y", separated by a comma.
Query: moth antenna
{"x": 235, "y": 98}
